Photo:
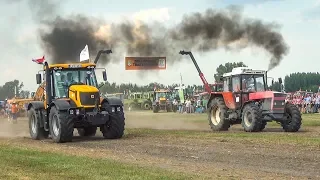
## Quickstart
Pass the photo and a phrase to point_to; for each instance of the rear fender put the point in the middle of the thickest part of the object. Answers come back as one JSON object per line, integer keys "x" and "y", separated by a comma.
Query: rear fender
{"x": 36, "y": 105}
{"x": 228, "y": 98}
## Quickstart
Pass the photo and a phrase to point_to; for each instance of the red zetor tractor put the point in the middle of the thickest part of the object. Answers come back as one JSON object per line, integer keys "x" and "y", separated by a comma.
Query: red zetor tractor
{"x": 245, "y": 100}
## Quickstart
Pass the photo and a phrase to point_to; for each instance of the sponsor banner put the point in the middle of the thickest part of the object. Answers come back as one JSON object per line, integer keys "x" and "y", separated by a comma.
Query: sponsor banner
{"x": 145, "y": 63}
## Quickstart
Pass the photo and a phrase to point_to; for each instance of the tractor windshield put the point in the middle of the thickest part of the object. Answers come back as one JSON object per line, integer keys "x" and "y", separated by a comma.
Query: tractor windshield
{"x": 65, "y": 77}
{"x": 161, "y": 95}
{"x": 254, "y": 82}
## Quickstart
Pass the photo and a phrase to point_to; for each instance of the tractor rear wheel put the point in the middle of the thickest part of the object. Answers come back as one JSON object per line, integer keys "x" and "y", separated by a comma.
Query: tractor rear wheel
{"x": 252, "y": 118}
{"x": 293, "y": 122}
{"x": 36, "y": 132}
{"x": 61, "y": 127}
{"x": 87, "y": 131}
{"x": 217, "y": 115}
{"x": 114, "y": 128}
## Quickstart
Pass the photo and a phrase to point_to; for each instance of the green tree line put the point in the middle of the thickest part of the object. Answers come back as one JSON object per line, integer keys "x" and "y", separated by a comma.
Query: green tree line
{"x": 292, "y": 82}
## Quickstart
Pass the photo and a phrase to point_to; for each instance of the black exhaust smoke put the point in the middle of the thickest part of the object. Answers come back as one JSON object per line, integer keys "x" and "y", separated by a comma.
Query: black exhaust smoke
{"x": 62, "y": 38}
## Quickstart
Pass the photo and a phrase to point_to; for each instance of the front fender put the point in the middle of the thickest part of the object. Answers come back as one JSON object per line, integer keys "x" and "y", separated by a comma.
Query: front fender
{"x": 112, "y": 101}
{"x": 61, "y": 104}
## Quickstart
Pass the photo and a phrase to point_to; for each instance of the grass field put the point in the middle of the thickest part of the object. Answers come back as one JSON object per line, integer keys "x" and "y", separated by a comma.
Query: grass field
{"x": 22, "y": 163}
{"x": 166, "y": 146}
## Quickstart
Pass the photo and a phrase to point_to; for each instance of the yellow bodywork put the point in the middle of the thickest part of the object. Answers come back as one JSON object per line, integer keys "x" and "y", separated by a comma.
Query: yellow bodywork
{"x": 75, "y": 97}
{"x": 79, "y": 65}
{"x": 74, "y": 91}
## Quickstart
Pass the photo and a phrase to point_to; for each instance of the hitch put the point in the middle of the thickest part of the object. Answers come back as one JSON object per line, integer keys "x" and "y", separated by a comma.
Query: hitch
{"x": 108, "y": 51}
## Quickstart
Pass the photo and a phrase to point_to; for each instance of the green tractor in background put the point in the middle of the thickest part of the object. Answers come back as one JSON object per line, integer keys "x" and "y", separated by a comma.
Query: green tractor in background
{"x": 138, "y": 101}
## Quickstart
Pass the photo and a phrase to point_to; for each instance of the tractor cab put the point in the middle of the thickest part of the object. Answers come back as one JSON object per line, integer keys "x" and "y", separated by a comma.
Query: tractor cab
{"x": 245, "y": 80}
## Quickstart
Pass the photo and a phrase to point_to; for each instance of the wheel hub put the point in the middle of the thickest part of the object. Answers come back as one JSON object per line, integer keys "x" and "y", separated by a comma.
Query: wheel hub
{"x": 55, "y": 125}
{"x": 248, "y": 119}
{"x": 33, "y": 125}
{"x": 215, "y": 116}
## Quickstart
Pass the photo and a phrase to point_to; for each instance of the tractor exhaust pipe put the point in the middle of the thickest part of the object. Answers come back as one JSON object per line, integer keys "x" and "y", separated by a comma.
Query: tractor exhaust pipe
{"x": 109, "y": 51}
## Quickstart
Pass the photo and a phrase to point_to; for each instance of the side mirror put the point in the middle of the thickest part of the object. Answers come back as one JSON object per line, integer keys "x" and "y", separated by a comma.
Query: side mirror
{"x": 32, "y": 94}
{"x": 38, "y": 77}
{"x": 104, "y": 74}
{"x": 280, "y": 80}
{"x": 272, "y": 82}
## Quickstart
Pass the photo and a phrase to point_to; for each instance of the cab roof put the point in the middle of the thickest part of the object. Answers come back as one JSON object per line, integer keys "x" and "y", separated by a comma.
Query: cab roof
{"x": 243, "y": 70}
{"x": 72, "y": 65}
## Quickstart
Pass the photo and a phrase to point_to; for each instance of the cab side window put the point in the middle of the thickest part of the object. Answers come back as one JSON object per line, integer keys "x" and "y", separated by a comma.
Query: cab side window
{"x": 236, "y": 83}
{"x": 226, "y": 83}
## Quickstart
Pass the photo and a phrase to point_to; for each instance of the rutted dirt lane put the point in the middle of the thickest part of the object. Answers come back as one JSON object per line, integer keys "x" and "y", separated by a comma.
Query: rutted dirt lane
{"x": 213, "y": 157}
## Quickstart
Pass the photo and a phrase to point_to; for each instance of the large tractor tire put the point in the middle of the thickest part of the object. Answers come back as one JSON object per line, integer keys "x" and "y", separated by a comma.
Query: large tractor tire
{"x": 169, "y": 108}
{"x": 114, "y": 128}
{"x": 36, "y": 132}
{"x": 217, "y": 115}
{"x": 87, "y": 131}
{"x": 294, "y": 120}
{"x": 155, "y": 109}
{"x": 146, "y": 105}
{"x": 252, "y": 120}
{"x": 61, "y": 127}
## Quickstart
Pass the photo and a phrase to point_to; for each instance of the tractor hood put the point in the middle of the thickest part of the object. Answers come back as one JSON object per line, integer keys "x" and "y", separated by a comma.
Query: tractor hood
{"x": 273, "y": 100}
{"x": 266, "y": 95}
{"x": 84, "y": 95}
{"x": 83, "y": 88}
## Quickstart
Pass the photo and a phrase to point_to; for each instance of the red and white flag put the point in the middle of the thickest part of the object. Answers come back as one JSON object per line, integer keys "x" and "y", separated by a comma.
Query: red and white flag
{"x": 39, "y": 60}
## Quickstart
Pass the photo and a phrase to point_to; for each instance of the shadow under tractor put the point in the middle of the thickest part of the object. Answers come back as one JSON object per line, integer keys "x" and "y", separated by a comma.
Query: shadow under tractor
{"x": 246, "y": 101}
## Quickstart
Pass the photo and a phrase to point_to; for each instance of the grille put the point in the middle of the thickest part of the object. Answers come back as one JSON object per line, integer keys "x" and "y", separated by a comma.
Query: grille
{"x": 163, "y": 101}
{"x": 88, "y": 98}
{"x": 278, "y": 104}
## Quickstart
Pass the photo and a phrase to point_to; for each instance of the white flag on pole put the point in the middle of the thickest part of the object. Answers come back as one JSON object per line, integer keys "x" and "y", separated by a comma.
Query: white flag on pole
{"x": 84, "y": 54}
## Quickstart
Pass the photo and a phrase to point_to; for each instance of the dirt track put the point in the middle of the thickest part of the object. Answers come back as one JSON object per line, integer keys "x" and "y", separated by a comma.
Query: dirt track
{"x": 213, "y": 157}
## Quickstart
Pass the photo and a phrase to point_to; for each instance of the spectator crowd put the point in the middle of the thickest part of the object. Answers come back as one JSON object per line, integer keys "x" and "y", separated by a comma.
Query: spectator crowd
{"x": 306, "y": 102}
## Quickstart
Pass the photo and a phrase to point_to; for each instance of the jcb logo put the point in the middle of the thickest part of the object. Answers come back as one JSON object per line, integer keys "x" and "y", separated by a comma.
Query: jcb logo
{"x": 92, "y": 96}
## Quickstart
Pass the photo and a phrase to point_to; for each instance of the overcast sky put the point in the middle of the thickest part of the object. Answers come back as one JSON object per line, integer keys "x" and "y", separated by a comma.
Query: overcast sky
{"x": 299, "y": 21}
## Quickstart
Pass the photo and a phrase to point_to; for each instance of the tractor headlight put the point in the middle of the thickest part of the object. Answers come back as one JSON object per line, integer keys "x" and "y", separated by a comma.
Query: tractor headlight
{"x": 77, "y": 111}
{"x": 113, "y": 109}
{"x": 71, "y": 111}
{"x": 118, "y": 108}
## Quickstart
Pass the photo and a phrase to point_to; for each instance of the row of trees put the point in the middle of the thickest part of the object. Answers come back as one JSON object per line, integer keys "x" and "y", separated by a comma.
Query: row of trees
{"x": 13, "y": 88}
{"x": 293, "y": 82}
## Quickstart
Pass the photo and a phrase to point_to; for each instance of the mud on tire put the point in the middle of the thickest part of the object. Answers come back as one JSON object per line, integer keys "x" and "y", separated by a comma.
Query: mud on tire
{"x": 114, "y": 129}
{"x": 36, "y": 132}
{"x": 61, "y": 127}
{"x": 293, "y": 122}
{"x": 217, "y": 114}
{"x": 252, "y": 120}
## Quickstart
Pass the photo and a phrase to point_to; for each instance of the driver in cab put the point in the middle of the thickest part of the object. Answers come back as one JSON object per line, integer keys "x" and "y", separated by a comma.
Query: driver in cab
{"x": 69, "y": 79}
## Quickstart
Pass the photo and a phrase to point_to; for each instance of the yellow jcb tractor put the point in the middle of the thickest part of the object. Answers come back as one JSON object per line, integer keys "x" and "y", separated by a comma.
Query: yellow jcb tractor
{"x": 162, "y": 101}
{"x": 69, "y": 98}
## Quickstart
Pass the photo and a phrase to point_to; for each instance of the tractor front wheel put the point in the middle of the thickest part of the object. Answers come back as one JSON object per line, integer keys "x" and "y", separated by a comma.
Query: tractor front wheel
{"x": 217, "y": 115}
{"x": 61, "y": 127}
{"x": 114, "y": 128}
{"x": 252, "y": 118}
{"x": 293, "y": 121}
